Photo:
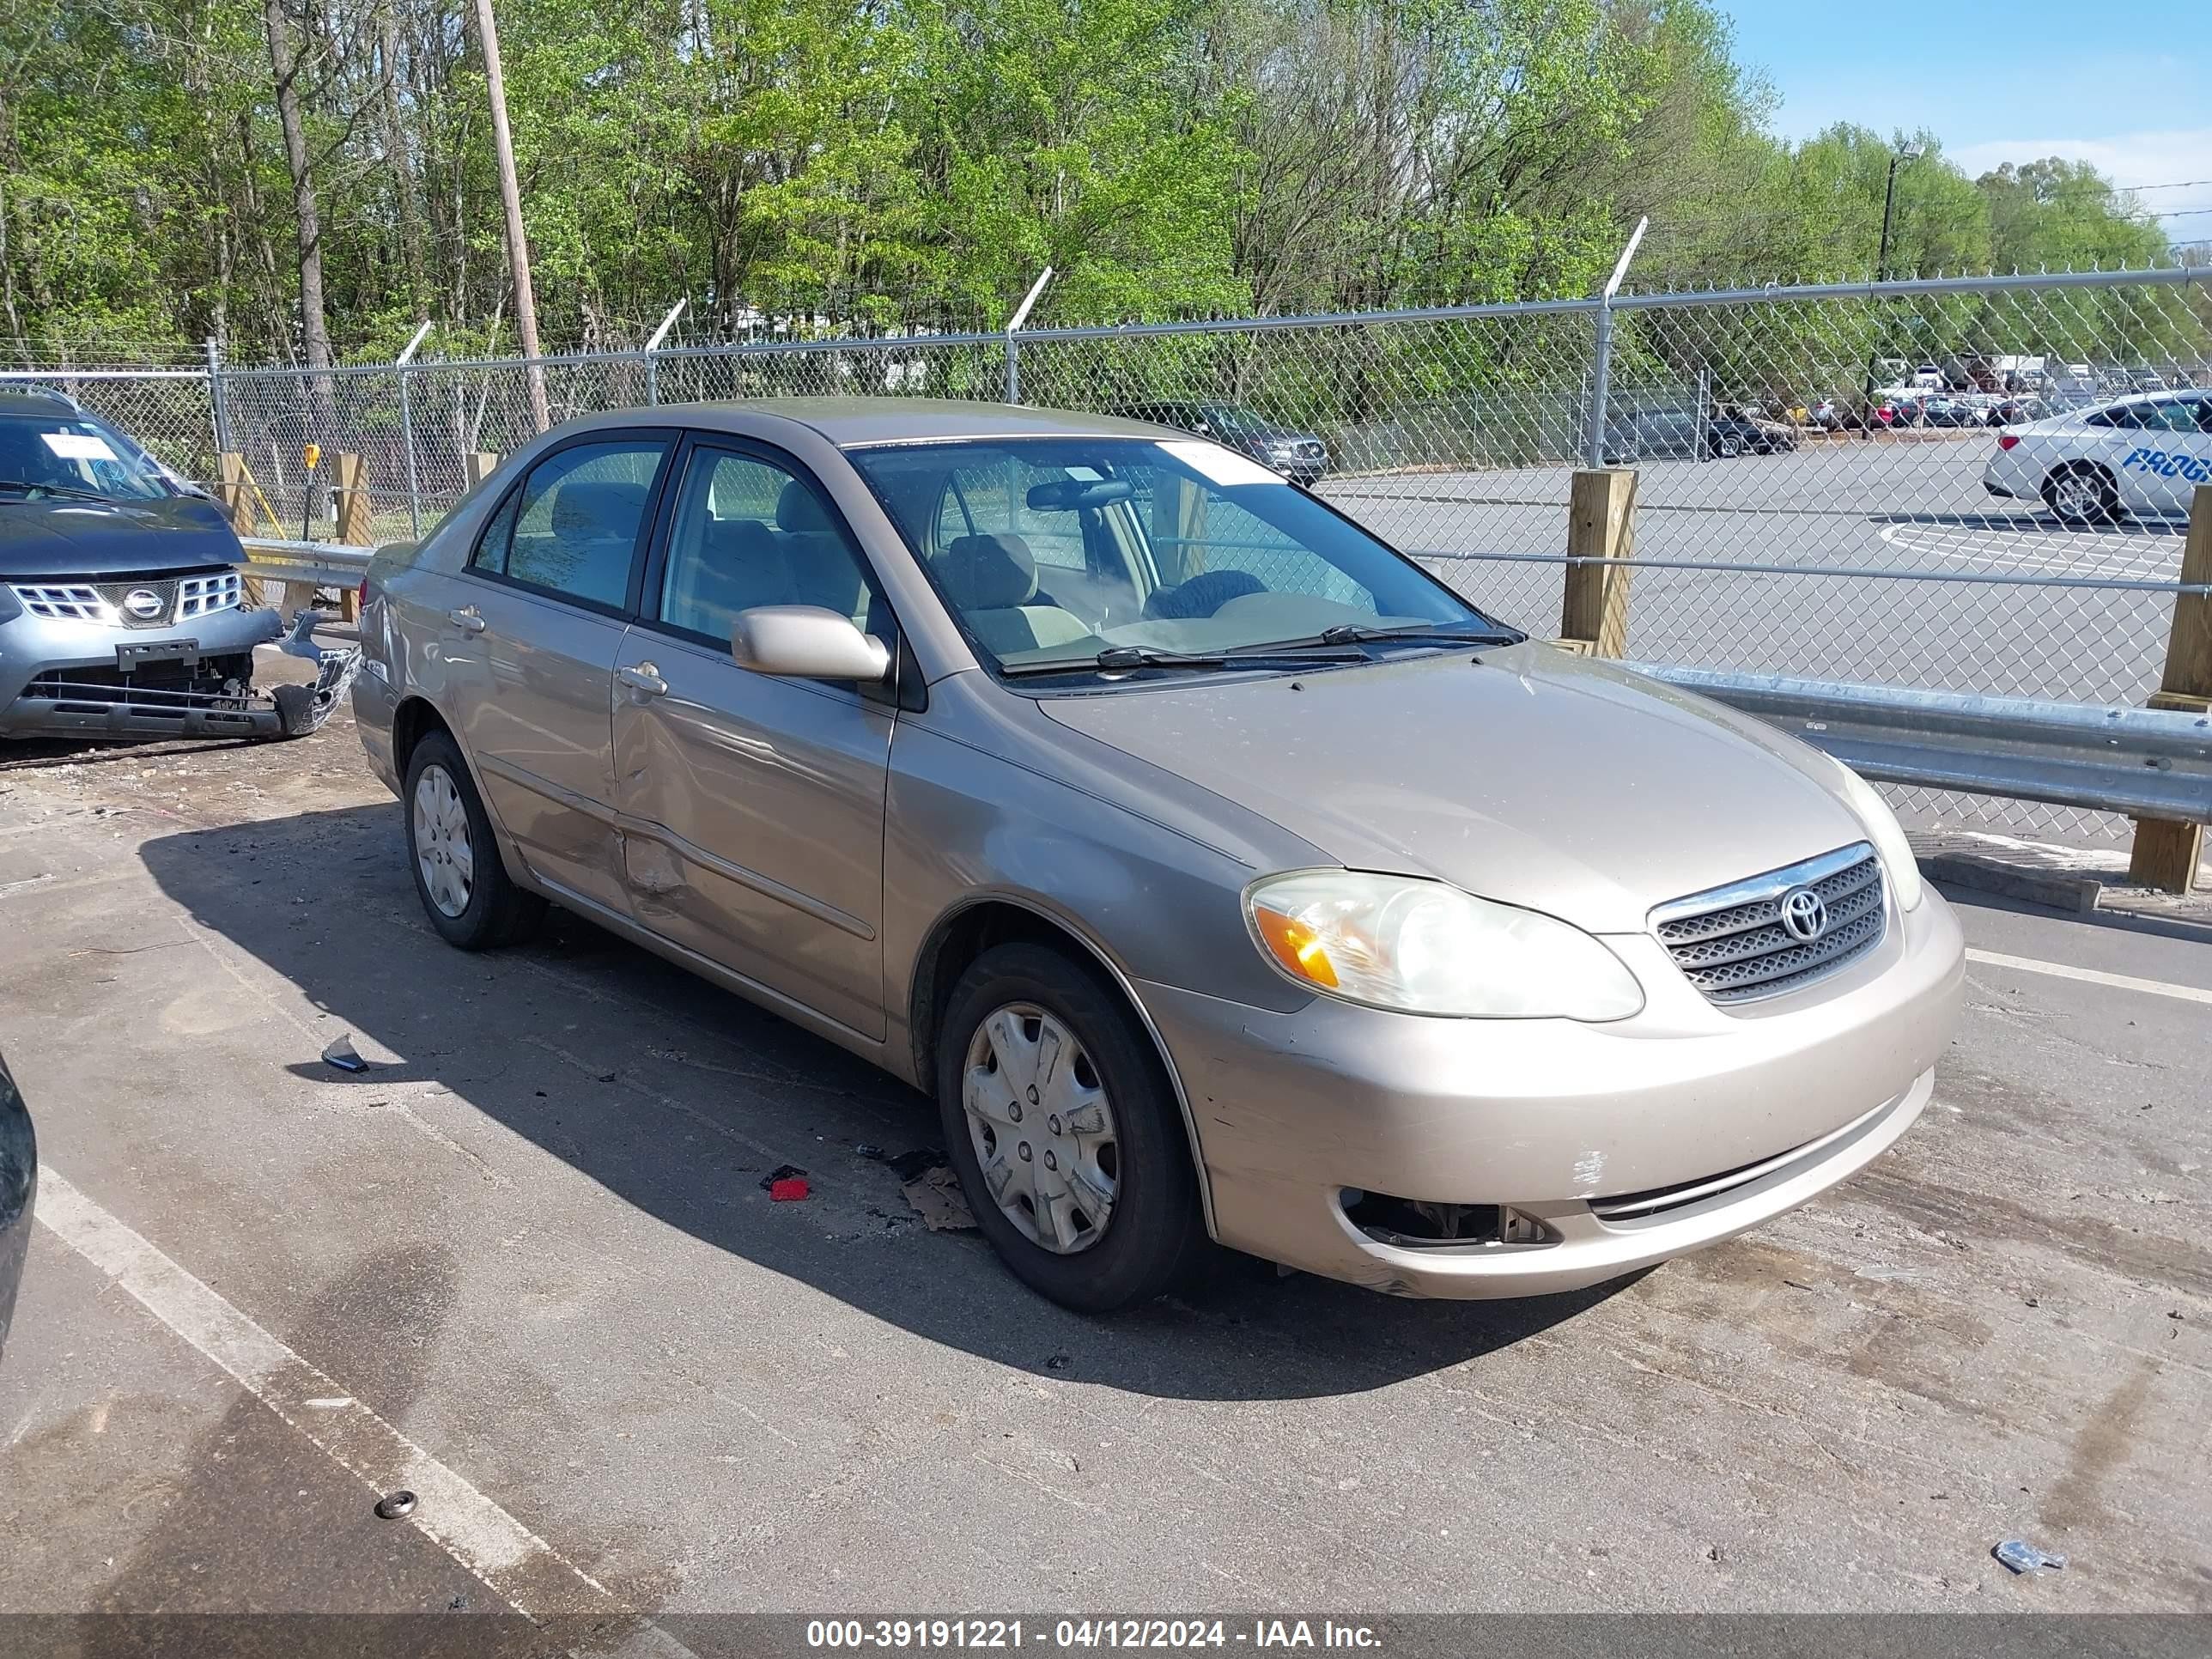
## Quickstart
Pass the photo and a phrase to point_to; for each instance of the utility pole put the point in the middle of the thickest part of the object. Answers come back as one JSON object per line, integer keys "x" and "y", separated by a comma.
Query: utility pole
{"x": 510, "y": 194}
{"x": 1904, "y": 154}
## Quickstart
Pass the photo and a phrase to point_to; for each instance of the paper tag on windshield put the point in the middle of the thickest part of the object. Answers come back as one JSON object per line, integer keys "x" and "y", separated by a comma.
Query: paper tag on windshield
{"x": 1217, "y": 465}
{"x": 1085, "y": 474}
{"x": 78, "y": 446}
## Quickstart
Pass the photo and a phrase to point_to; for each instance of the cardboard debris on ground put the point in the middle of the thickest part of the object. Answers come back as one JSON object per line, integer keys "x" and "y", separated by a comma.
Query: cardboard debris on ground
{"x": 936, "y": 1197}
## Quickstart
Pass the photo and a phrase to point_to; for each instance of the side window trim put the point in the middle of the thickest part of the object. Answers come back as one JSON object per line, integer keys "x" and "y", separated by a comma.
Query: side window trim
{"x": 652, "y": 570}
{"x": 670, "y": 440}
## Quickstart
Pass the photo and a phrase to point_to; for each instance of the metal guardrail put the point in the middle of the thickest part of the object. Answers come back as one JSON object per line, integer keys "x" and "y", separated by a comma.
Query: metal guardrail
{"x": 326, "y": 564}
{"x": 2143, "y": 763}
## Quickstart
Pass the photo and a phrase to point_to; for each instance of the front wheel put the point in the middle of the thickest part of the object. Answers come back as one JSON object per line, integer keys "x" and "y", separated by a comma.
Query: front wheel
{"x": 1727, "y": 448}
{"x": 466, "y": 890}
{"x": 1060, "y": 1121}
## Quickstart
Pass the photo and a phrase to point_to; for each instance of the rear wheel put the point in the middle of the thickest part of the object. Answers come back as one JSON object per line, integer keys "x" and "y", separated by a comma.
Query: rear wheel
{"x": 1064, "y": 1131}
{"x": 464, "y": 887}
{"x": 2083, "y": 492}
{"x": 1727, "y": 446}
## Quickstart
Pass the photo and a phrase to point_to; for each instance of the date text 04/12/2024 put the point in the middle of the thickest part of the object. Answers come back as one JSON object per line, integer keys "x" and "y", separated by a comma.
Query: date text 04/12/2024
{"x": 958, "y": 1634}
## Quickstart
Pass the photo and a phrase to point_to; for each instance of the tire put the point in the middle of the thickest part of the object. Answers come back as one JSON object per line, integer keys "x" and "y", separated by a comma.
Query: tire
{"x": 464, "y": 887}
{"x": 1727, "y": 448}
{"x": 2081, "y": 493}
{"x": 1147, "y": 1231}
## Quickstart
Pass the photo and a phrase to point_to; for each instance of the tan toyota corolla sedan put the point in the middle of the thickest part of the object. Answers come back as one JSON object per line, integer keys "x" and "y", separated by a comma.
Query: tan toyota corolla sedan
{"x": 1216, "y": 869}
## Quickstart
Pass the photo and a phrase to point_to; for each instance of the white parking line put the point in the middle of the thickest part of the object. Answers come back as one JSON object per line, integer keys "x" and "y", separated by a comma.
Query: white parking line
{"x": 2157, "y": 987}
{"x": 522, "y": 1567}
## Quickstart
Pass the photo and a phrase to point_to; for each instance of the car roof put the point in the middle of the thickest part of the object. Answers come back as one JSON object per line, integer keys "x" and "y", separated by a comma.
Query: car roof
{"x": 36, "y": 400}
{"x": 853, "y": 422}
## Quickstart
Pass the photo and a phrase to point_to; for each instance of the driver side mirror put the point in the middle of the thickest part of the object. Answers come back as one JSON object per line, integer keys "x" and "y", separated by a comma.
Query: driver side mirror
{"x": 806, "y": 642}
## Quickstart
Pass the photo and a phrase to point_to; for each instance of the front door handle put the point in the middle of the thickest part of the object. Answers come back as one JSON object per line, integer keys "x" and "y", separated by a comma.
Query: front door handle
{"x": 466, "y": 620}
{"x": 644, "y": 679}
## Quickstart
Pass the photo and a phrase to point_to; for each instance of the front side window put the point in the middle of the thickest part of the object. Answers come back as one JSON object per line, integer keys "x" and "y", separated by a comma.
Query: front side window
{"x": 64, "y": 456}
{"x": 748, "y": 532}
{"x": 572, "y": 528}
{"x": 1185, "y": 548}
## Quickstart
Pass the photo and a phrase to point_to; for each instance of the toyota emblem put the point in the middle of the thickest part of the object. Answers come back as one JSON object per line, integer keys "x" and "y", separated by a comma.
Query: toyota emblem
{"x": 1805, "y": 914}
{"x": 145, "y": 603}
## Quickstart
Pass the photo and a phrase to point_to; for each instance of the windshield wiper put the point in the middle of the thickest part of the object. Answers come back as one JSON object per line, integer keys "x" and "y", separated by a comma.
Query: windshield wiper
{"x": 1125, "y": 658}
{"x": 54, "y": 489}
{"x": 1364, "y": 634}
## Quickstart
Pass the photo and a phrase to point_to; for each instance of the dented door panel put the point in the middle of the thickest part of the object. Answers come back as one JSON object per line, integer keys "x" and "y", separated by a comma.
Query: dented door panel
{"x": 750, "y": 813}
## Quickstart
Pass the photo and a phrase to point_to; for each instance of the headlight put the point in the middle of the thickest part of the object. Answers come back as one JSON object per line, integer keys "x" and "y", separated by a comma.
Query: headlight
{"x": 1422, "y": 947}
{"x": 1888, "y": 838}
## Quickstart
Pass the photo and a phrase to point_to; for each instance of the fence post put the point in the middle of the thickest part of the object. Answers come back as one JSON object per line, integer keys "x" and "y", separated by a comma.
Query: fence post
{"x": 477, "y": 465}
{"x": 653, "y": 348}
{"x": 399, "y": 367}
{"x": 235, "y": 489}
{"x": 1013, "y": 325}
{"x": 218, "y": 410}
{"x": 1601, "y": 527}
{"x": 1602, "y": 365}
{"x": 353, "y": 521}
{"x": 2166, "y": 854}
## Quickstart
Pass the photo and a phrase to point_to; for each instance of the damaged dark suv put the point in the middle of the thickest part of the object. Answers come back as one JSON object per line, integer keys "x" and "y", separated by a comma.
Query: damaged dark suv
{"x": 123, "y": 611}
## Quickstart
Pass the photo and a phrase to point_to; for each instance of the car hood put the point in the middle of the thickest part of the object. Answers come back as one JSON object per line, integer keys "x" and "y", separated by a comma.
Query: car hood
{"x": 50, "y": 539}
{"x": 1527, "y": 776}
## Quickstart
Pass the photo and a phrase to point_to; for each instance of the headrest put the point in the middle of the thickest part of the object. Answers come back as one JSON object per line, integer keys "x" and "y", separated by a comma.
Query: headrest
{"x": 801, "y": 512}
{"x": 990, "y": 573}
{"x": 598, "y": 507}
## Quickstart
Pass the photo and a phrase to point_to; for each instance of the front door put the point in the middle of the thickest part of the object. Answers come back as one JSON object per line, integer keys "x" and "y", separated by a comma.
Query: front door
{"x": 531, "y": 643}
{"x": 751, "y": 807}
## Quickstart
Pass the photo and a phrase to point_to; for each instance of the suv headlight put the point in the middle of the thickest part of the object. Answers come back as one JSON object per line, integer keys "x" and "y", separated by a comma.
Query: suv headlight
{"x": 1889, "y": 837}
{"x": 1424, "y": 947}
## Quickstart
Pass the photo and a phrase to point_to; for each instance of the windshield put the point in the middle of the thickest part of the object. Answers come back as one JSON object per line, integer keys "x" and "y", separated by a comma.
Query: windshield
{"x": 1048, "y": 551}
{"x": 64, "y": 455}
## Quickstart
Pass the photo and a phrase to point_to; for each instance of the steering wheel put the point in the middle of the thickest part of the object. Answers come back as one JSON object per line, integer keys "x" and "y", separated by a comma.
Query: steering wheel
{"x": 1202, "y": 595}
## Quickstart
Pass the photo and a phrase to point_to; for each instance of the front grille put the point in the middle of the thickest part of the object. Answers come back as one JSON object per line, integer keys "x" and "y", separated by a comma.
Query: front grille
{"x": 116, "y": 596}
{"x": 1735, "y": 944}
{"x": 61, "y": 602}
{"x": 182, "y": 598}
{"x": 197, "y": 596}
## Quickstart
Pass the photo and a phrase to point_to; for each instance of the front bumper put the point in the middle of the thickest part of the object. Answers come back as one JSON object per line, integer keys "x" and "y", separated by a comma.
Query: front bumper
{"x": 1557, "y": 1120}
{"x": 61, "y": 679}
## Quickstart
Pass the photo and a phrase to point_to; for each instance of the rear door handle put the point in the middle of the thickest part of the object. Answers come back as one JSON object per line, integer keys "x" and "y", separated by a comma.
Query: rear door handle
{"x": 644, "y": 679}
{"x": 466, "y": 620}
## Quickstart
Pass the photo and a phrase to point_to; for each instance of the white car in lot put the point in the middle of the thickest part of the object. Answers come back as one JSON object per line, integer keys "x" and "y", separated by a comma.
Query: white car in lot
{"x": 2141, "y": 455}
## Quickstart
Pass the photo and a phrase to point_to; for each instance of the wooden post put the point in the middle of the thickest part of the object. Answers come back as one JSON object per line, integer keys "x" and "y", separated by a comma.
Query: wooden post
{"x": 2166, "y": 854}
{"x": 353, "y": 522}
{"x": 236, "y": 491}
{"x": 477, "y": 466}
{"x": 1601, "y": 524}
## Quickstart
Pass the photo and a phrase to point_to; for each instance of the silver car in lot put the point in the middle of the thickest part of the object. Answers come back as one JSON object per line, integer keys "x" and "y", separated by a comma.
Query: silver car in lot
{"x": 1215, "y": 868}
{"x": 2137, "y": 457}
{"x": 123, "y": 609}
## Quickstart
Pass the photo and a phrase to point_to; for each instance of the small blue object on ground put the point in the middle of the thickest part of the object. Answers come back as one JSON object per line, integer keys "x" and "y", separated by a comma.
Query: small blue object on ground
{"x": 2018, "y": 1555}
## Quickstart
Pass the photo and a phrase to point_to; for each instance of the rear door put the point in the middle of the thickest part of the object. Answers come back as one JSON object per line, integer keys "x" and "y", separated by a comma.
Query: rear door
{"x": 751, "y": 807}
{"x": 2167, "y": 456}
{"x": 531, "y": 649}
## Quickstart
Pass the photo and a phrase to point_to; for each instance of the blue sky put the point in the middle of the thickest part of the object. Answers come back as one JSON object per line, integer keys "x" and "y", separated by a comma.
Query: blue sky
{"x": 2127, "y": 87}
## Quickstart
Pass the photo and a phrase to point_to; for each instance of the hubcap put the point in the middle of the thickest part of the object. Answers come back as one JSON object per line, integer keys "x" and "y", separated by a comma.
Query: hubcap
{"x": 443, "y": 855}
{"x": 2076, "y": 497}
{"x": 1055, "y": 1171}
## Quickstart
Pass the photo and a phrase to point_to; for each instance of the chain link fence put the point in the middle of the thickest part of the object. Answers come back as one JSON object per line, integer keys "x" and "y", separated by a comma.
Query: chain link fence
{"x": 1816, "y": 465}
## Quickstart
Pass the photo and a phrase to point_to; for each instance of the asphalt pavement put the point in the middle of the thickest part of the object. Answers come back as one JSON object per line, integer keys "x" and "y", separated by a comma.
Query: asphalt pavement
{"x": 524, "y": 1266}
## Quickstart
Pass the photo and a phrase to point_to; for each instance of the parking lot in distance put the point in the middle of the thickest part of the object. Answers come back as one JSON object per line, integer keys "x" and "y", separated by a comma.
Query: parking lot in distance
{"x": 531, "y": 1241}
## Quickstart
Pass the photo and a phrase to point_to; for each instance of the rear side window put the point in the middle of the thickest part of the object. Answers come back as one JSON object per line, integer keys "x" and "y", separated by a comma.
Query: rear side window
{"x": 572, "y": 528}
